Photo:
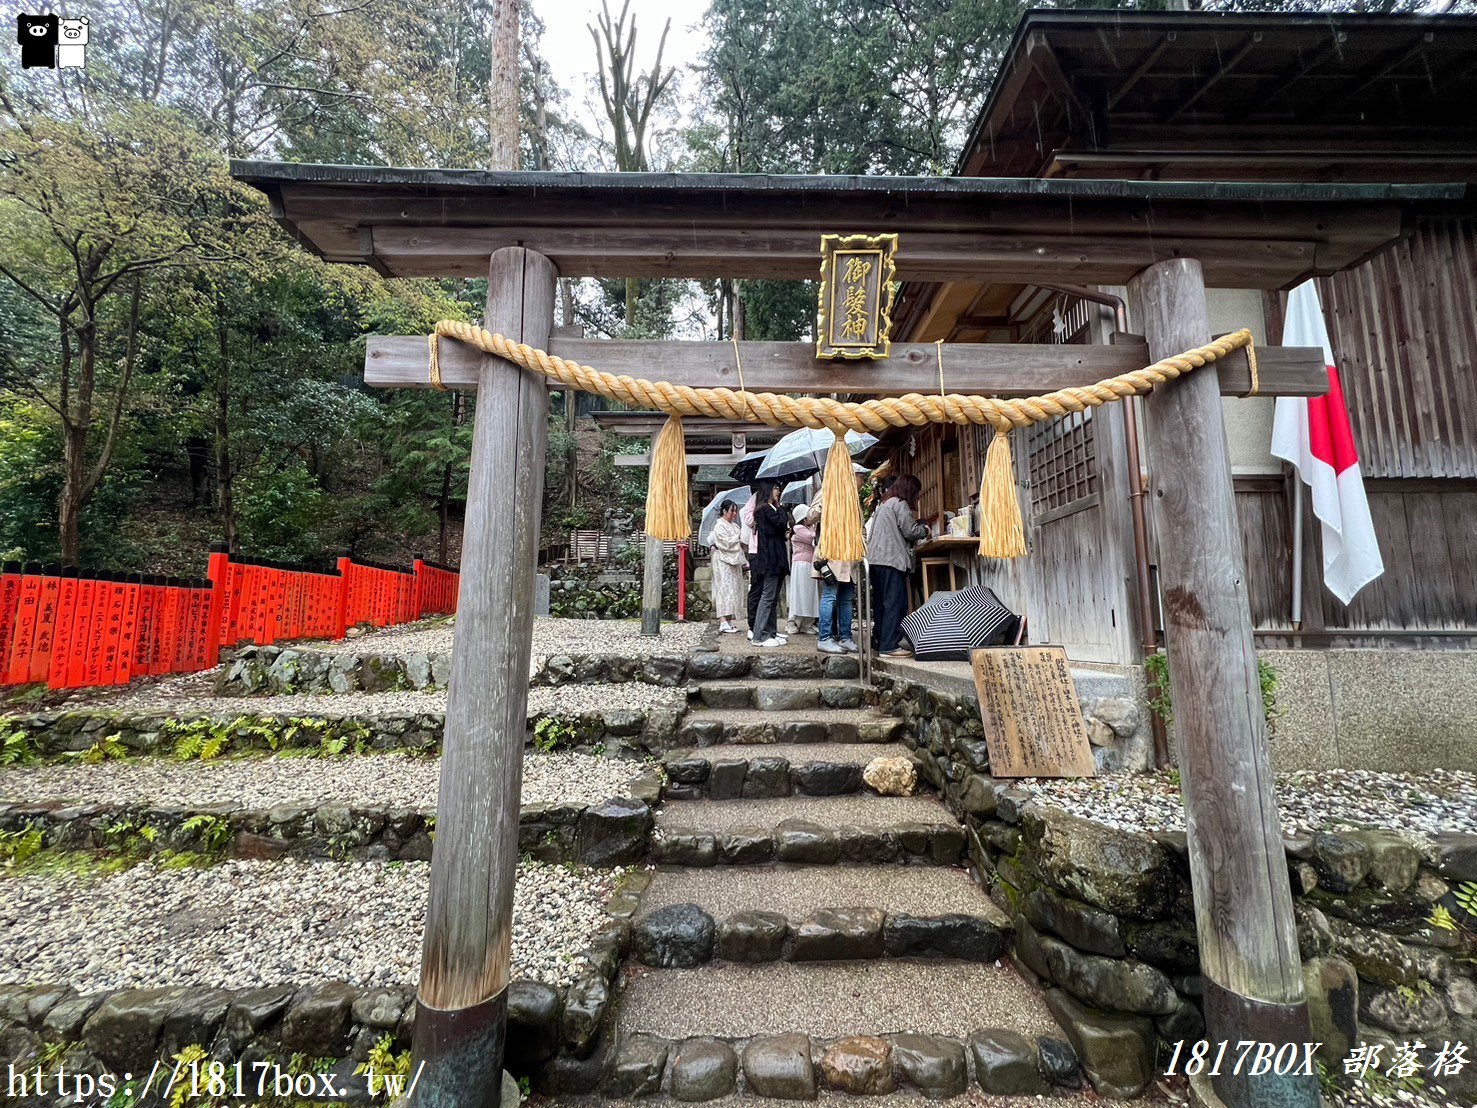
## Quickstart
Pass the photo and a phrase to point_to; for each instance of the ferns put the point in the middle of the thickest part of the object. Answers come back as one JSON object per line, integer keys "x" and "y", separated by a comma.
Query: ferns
{"x": 1466, "y": 898}
{"x": 16, "y": 749}
{"x": 18, "y": 847}
{"x": 105, "y": 749}
{"x": 212, "y": 832}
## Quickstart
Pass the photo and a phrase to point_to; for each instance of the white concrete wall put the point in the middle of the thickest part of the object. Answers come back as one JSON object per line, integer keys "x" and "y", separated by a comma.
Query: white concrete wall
{"x": 1248, "y": 422}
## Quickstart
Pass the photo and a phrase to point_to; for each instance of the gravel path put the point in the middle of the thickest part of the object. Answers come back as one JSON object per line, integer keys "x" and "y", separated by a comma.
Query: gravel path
{"x": 190, "y": 693}
{"x": 399, "y": 781}
{"x": 248, "y": 924}
{"x": 550, "y": 636}
{"x": 1313, "y": 800}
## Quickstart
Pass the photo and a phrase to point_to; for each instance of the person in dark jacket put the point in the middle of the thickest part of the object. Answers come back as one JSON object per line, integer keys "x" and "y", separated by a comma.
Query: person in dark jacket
{"x": 894, "y": 530}
{"x": 771, "y": 564}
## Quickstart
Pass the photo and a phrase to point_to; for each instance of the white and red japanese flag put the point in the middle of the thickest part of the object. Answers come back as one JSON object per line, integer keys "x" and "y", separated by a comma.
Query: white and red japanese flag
{"x": 1314, "y": 434}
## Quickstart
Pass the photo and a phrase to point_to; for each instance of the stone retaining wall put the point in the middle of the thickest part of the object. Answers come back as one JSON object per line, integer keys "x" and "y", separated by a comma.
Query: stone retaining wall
{"x": 613, "y": 833}
{"x": 128, "y": 1030}
{"x": 276, "y": 670}
{"x": 636, "y": 731}
{"x": 947, "y": 737}
{"x": 1105, "y": 920}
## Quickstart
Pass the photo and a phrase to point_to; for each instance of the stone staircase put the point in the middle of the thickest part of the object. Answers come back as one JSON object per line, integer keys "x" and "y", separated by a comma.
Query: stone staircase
{"x": 802, "y": 935}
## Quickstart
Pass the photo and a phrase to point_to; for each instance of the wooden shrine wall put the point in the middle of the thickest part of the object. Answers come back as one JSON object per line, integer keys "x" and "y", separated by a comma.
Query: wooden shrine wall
{"x": 1426, "y": 597}
{"x": 1404, "y": 331}
{"x": 1074, "y": 587}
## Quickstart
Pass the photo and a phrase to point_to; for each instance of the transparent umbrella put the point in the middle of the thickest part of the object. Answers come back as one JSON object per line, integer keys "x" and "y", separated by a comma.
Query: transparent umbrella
{"x": 804, "y": 491}
{"x": 739, "y": 496}
{"x": 805, "y": 450}
{"x": 797, "y": 492}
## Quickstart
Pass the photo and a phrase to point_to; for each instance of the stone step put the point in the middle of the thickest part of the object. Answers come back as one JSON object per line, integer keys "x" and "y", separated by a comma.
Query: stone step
{"x": 789, "y": 1030}
{"x": 795, "y": 891}
{"x": 799, "y": 659}
{"x": 711, "y": 726}
{"x": 762, "y": 914}
{"x": 807, "y": 830}
{"x": 758, "y": 770}
{"x": 781, "y": 695}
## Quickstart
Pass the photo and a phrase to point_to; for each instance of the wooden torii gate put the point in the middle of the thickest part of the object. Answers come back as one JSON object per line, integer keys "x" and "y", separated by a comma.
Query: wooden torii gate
{"x": 1164, "y": 239}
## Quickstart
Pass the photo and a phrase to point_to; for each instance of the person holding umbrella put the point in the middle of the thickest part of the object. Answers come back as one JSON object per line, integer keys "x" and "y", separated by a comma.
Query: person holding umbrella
{"x": 771, "y": 563}
{"x": 894, "y": 530}
{"x": 730, "y": 559}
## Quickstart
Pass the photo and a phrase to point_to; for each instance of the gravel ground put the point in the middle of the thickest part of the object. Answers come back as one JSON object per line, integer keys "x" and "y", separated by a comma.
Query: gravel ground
{"x": 248, "y": 924}
{"x": 197, "y": 695}
{"x": 399, "y": 781}
{"x": 1418, "y": 803}
{"x": 550, "y": 636}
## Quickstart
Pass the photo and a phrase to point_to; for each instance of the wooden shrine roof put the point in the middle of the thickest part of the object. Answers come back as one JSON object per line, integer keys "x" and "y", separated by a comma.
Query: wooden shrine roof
{"x": 446, "y": 222}
{"x": 1232, "y": 96}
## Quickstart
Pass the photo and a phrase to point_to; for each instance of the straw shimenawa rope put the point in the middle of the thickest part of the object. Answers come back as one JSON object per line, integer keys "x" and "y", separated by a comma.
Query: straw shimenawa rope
{"x": 1000, "y": 521}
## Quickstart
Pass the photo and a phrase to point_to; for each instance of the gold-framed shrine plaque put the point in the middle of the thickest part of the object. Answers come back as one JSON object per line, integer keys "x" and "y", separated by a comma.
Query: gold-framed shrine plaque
{"x": 1028, "y": 704}
{"x": 856, "y": 296}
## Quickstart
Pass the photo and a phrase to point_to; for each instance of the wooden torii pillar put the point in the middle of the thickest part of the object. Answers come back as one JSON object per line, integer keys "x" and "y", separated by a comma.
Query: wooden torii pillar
{"x": 466, "y": 958}
{"x": 1243, "y": 903}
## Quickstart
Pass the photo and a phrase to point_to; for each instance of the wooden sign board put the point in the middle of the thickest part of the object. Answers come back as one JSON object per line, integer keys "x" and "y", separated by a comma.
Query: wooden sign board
{"x": 856, "y": 296}
{"x": 1033, "y": 723}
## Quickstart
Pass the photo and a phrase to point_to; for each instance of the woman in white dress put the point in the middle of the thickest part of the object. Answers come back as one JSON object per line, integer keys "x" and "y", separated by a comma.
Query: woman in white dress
{"x": 804, "y": 594}
{"x": 730, "y": 559}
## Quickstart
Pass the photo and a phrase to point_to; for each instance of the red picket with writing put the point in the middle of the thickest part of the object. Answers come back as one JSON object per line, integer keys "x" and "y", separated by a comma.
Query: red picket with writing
{"x": 51, "y": 585}
{"x": 23, "y": 637}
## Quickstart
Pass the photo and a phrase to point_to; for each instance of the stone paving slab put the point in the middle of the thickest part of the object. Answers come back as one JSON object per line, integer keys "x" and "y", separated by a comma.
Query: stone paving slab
{"x": 832, "y": 999}
{"x": 795, "y": 892}
{"x": 860, "y": 810}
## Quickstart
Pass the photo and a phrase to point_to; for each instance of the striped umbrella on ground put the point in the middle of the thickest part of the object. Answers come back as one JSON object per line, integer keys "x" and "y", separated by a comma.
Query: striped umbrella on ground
{"x": 952, "y": 624}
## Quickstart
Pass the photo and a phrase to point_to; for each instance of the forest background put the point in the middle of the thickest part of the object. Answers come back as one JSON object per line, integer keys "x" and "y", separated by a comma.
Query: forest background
{"x": 175, "y": 370}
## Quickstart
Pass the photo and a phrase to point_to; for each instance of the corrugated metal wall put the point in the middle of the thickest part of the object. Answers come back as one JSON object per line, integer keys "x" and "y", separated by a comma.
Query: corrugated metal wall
{"x": 1404, "y": 333}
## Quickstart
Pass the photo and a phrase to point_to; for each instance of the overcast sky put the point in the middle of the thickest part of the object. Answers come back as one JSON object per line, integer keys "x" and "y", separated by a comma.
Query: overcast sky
{"x": 571, "y": 53}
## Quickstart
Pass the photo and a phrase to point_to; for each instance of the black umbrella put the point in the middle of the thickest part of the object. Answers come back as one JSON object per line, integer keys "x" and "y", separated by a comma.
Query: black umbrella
{"x": 748, "y": 469}
{"x": 952, "y": 624}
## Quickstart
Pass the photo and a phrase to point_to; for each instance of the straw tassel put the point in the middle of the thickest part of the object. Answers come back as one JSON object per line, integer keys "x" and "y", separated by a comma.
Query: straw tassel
{"x": 841, "y": 508}
{"x": 667, "y": 516}
{"x": 1002, "y": 532}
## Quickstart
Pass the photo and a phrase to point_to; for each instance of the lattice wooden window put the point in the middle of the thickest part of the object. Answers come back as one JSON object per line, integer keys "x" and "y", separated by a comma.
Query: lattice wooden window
{"x": 1063, "y": 457}
{"x": 1063, "y": 453}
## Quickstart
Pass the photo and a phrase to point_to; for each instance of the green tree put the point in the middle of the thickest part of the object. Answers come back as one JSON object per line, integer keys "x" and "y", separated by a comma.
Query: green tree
{"x": 87, "y": 216}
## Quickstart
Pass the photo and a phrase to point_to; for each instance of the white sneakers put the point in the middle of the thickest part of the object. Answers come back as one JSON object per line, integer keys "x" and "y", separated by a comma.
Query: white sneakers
{"x": 776, "y": 641}
{"x": 850, "y": 647}
{"x": 729, "y": 629}
{"x": 830, "y": 646}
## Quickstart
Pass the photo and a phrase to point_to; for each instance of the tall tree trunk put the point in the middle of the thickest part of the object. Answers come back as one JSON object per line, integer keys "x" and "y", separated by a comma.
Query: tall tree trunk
{"x": 224, "y": 475}
{"x": 443, "y": 512}
{"x": 632, "y": 291}
{"x": 69, "y": 509}
{"x": 75, "y": 429}
{"x": 503, "y": 87}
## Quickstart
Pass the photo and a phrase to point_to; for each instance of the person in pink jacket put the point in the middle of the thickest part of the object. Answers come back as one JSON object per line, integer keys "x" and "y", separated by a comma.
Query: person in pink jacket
{"x": 804, "y": 595}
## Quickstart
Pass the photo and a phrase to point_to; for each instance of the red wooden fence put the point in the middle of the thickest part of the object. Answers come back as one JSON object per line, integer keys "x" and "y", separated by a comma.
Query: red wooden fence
{"x": 78, "y": 628}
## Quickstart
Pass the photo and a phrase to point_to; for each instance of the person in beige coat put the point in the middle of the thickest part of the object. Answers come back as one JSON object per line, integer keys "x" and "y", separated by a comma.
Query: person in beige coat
{"x": 730, "y": 559}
